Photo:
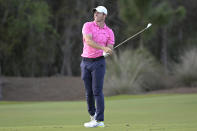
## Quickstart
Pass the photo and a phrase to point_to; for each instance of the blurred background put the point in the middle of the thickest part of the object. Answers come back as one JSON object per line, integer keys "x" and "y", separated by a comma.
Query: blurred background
{"x": 41, "y": 46}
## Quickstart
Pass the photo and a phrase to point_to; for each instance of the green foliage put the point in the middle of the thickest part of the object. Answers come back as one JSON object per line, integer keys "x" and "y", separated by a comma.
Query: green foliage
{"x": 165, "y": 14}
{"x": 27, "y": 37}
{"x": 134, "y": 71}
{"x": 185, "y": 71}
{"x": 162, "y": 14}
{"x": 138, "y": 13}
{"x": 36, "y": 35}
{"x": 180, "y": 13}
{"x": 135, "y": 12}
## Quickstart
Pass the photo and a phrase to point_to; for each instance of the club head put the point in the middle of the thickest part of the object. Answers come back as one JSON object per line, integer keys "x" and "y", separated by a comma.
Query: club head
{"x": 149, "y": 25}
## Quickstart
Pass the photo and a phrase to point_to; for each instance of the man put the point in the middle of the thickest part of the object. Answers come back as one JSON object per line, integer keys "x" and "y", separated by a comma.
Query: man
{"x": 97, "y": 38}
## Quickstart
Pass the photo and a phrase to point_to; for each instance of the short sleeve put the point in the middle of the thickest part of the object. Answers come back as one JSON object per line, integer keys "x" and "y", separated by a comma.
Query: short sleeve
{"x": 86, "y": 30}
{"x": 111, "y": 39}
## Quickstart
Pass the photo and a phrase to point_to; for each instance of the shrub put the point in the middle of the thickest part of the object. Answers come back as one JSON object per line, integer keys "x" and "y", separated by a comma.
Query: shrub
{"x": 186, "y": 71}
{"x": 134, "y": 71}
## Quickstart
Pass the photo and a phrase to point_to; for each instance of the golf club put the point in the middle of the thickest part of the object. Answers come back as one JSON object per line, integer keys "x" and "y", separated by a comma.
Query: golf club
{"x": 149, "y": 25}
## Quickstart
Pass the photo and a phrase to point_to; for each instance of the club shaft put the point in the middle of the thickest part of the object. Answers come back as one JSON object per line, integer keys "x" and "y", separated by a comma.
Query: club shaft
{"x": 130, "y": 38}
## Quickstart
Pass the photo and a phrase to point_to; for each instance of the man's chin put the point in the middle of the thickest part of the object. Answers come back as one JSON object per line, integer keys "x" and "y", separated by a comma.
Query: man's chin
{"x": 98, "y": 20}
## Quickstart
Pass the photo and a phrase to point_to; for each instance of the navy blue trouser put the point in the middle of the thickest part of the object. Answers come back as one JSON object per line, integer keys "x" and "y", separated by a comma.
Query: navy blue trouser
{"x": 92, "y": 73}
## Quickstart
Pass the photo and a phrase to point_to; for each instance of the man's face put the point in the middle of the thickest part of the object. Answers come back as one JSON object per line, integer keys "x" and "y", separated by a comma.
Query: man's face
{"x": 99, "y": 17}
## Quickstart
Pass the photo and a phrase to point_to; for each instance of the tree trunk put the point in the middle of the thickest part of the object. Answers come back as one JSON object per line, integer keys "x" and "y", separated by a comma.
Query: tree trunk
{"x": 66, "y": 49}
{"x": 0, "y": 68}
{"x": 1, "y": 96}
{"x": 66, "y": 66}
{"x": 180, "y": 35}
{"x": 141, "y": 42}
{"x": 164, "y": 43}
{"x": 32, "y": 53}
{"x": 4, "y": 17}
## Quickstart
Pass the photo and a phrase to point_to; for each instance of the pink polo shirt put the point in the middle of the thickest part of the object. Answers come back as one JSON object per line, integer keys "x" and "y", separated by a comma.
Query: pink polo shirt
{"x": 102, "y": 36}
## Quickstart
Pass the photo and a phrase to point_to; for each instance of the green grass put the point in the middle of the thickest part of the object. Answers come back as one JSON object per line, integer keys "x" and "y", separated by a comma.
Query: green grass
{"x": 123, "y": 113}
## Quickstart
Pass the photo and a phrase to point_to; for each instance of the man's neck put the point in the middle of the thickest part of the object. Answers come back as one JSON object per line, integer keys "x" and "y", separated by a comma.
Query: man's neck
{"x": 100, "y": 24}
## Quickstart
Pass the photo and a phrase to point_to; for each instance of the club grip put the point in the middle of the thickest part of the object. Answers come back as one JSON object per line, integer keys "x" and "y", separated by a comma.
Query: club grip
{"x": 105, "y": 54}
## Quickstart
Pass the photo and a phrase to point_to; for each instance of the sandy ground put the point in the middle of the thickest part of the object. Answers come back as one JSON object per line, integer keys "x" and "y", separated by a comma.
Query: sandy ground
{"x": 43, "y": 89}
{"x": 57, "y": 89}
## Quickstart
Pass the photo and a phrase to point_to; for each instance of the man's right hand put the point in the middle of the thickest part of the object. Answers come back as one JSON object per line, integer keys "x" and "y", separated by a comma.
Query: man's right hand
{"x": 107, "y": 50}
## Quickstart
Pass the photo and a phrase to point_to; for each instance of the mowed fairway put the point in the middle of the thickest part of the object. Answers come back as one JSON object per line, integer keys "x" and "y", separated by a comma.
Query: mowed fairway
{"x": 123, "y": 113}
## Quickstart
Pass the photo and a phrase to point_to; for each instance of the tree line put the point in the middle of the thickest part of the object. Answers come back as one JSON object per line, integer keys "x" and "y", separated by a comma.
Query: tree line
{"x": 43, "y": 37}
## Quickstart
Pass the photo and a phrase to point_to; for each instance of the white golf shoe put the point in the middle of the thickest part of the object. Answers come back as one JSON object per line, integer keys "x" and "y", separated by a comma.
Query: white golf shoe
{"x": 94, "y": 123}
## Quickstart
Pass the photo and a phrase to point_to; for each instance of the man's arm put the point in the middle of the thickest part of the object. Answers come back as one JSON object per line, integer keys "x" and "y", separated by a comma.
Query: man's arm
{"x": 110, "y": 42}
{"x": 90, "y": 42}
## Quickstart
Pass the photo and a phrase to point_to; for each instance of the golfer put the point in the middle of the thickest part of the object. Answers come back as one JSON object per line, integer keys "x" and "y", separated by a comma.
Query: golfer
{"x": 97, "y": 38}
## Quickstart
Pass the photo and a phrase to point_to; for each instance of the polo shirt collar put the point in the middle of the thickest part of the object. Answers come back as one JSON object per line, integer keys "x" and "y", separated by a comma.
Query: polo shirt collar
{"x": 99, "y": 26}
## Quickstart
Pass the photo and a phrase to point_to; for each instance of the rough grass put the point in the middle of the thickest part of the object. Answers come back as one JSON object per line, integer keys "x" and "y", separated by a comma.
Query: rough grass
{"x": 135, "y": 113}
{"x": 186, "y": 71}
